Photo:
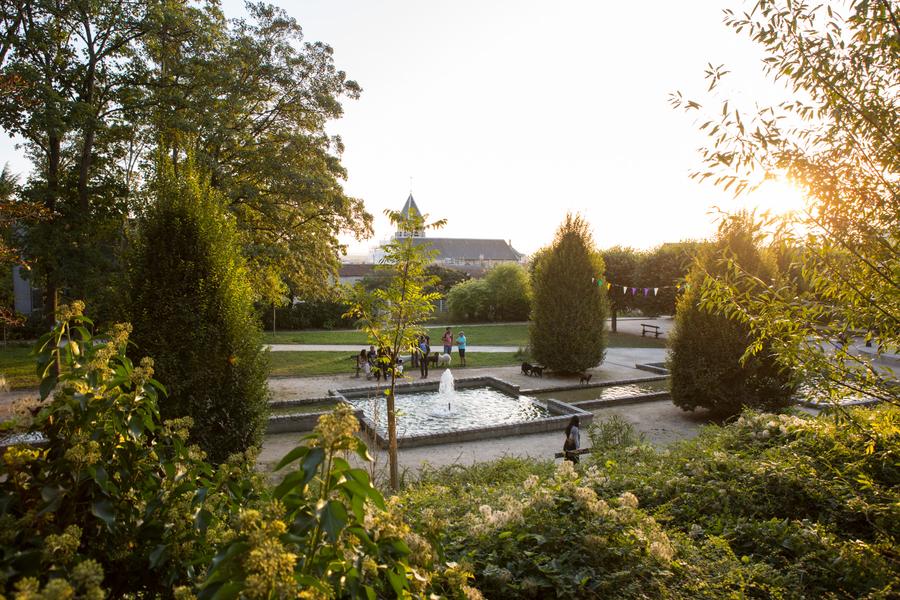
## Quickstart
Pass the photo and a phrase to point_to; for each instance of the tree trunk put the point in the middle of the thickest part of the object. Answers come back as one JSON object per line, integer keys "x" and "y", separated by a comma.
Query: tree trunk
{"x": 612, "y": 319}
{"x": 392, "y": 437}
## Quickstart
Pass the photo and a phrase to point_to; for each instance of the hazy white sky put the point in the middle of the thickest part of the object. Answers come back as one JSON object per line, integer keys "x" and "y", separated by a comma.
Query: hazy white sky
{"x": 508, "y": 113}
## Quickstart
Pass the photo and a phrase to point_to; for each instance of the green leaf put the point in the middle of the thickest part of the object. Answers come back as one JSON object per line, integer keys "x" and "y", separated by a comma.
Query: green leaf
{"x": 103, "y": 509}
{"x": 201, "y": 521}
{"x": 397, "y": 580}
{"x": 291, "y": 481}
{"x": 159, "y": 556}
{"x": 291, "y": 457}
{"x": 47, "y": 385}
{"x": 311, "y": 462}
{"x": 334, "y": 519}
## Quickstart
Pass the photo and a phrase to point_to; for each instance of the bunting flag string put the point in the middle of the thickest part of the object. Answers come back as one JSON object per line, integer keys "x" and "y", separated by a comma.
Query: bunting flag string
{"x": 634, "y": 289}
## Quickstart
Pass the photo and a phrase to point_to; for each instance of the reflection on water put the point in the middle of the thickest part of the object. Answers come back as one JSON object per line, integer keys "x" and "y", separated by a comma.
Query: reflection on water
{"x": 606, "y": 393}
{"x": 470, "y": 408}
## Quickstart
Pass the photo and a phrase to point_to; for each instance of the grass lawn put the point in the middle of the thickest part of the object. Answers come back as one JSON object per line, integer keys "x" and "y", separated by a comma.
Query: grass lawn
{"x": 17, "y": 365}
{"x": 307, "y": 364}
{"x": 504, "y": 334}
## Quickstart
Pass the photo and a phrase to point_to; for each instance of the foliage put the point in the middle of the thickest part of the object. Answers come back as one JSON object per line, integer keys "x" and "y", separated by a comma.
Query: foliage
{"x": 664, "y": 267}
{"x": 767, "y": 507}
{"x": 447, "y": 278}
{"x": 308, "y": 314}
{"x": 503, "y": 295}
{"x": 808, "y": 505}
{"x": 569, "y": 309}
{"x": 469, "y": 301}
{"x": 116, "y": 498}
{"x": 836, "y": 137}
{"x": 392, "y": 316}
{"x": 250, "y": 99}
{"x": 97, "y": 90}
{"x": 707, "y": 346}
{"x": 192, "y": 311}
{"x": 117, "y": 504}
{"x": 620, "y": 269}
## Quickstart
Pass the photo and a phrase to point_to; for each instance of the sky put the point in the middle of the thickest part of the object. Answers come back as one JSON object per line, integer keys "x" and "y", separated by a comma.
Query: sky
{"x": 501, "y": 116}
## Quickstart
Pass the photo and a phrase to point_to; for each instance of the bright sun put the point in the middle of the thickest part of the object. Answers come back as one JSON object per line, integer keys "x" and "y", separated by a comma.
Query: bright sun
{"x": 778, "y": 196}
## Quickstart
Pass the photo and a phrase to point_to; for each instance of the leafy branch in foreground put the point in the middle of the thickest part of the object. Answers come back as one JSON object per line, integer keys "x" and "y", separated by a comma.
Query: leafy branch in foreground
{"x": 837, "y": 138}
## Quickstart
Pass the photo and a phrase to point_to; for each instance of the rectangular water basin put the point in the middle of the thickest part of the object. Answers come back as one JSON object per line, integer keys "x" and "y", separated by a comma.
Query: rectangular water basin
{"x": 479, "y": 408}
{"x": 610, "y": 395}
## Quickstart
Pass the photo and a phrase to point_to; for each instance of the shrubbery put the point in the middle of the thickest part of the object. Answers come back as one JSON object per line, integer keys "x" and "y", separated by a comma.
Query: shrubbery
{"x": 192, "y": 310}
{"x": 707, "y": 346}
{"x": 116, "y": 504}
{"x": 503, "y": 295}
{"x": 310, "y": 314}
{"x": 569, "y": 311}
{"x": 768, "y": 507}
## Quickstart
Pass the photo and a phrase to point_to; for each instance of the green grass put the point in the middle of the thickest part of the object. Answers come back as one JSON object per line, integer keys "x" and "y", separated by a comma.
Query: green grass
{"x": 308, "y": 364}
{"x": 503, "y": 334}
{"x": 17, "y": 365}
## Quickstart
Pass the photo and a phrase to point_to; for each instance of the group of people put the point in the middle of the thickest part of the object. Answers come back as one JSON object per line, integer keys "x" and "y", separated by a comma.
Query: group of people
{"x": 375, "y": 363}
{"x": 422, "y": 350}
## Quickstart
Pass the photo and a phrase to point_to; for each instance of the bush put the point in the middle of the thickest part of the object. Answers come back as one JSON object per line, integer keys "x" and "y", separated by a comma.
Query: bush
{"x": 192, "y": 310}
{"x": 503, "y": 295}
{"x": 469, "y": 301}
{"x": 706, "y": 347}
{"x": 772, "y": 506}
{"x": 310, "y": 314}
{"x": 569, "y": 311}
{"x": 117, "y": 505}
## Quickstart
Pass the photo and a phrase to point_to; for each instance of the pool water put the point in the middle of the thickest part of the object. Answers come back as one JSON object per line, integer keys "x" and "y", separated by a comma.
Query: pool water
{"x": 589, "y": 394}
{"x": 469, "y": 408}
{"x": 303, "y": 408}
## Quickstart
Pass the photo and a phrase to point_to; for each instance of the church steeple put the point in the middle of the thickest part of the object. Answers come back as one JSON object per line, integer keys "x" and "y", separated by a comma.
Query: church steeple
{"x": 410, "y": 208}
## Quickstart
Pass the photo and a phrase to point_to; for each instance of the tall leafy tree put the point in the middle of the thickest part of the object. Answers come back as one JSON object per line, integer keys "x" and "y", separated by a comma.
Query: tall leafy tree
{"x": 837, "y": 137}
{"x": 251, "y": 98}
{"x": 392, "y": 315}
{"x": 621, "y": 266}
{"x": 569, "y": 309}
{"x": 192, "y": 311}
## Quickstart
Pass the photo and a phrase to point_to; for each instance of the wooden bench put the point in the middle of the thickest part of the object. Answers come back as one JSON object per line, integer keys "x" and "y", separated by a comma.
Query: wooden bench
{"x": 579, "y": 451}
{"x": 645, "y": 327}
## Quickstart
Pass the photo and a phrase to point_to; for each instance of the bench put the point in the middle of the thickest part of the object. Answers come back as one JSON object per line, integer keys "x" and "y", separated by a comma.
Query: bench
{"x": 579, "y": 451}
{"x": 645, "y": 327}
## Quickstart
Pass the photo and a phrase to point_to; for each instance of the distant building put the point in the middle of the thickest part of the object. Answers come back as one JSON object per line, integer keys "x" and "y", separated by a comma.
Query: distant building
{"x": 466, "y": 254}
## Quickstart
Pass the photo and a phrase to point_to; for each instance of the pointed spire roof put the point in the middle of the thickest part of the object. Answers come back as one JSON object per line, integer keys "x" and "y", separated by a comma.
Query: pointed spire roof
{"x": 410, "y": 205}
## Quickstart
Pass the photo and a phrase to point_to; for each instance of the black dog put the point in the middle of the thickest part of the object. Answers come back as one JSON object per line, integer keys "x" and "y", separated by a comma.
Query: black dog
{"x": 526, "y": 368}
{"x": 433, "y": 359}
{"x": 585, "y": 378}
{"x": 537, "y": 370}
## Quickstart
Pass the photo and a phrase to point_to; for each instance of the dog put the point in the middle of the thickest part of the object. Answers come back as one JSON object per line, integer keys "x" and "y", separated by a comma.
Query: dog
{"x": 585, "y": 378}
{"x": 537, "y": 370}
{"x": 433, "y": 359}
{"x": 443, "y": 360}
{"x": 526, "y": 368}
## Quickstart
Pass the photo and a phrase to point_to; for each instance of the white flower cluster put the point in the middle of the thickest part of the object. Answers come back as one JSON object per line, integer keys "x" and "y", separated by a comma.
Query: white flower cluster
{"x": 764, "y": 426}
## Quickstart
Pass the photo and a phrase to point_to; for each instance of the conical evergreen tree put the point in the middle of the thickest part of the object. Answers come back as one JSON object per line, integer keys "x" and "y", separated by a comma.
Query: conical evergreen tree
{"x": 569, "y": 307}
{"x": 192, "y": 312}
{"x": 706, "y": 346}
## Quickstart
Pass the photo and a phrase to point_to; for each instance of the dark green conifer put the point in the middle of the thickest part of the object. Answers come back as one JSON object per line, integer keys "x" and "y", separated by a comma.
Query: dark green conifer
{"x": 569, "y": 307}
{"x": 192, "y": 311}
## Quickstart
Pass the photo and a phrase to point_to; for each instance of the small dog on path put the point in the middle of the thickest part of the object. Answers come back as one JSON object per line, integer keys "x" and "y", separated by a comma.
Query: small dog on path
{"x": 537, "y": 371}
{"x": 443, "y": 360}
{"x": 526, "y": 368}
{"x": 585, "y": 378}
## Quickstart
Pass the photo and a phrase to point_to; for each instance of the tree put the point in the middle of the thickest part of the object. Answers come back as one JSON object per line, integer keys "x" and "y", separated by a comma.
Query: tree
{"x": 509, "y": 291}
{"x": 621, "y": 269}
{"x": 569, "y": 309}
{"x": 663, "y": 268}
{"x": 706, "y": 346}
{"x": 392, "y": 316}
{"x": 192, "y": 310}
{"x": 470, "y": 301}
{"x": 251, "y": 99}
{"x": 446, "y": 278}
{"x": 838, "y": 138}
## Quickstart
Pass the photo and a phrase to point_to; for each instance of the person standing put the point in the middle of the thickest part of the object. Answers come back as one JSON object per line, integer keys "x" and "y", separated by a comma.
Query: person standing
{"x": 424, "y": 350}
{"x": 573, "y": 440}
{"x": 461, "y": 346}
{"x": 448, "y": 342}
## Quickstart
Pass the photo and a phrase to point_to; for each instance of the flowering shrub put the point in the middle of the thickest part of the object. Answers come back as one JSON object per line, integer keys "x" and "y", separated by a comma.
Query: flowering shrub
{"x": 116, "y": 504}
{"x": 772, "y": 506}
{"x": 551, "y": 536}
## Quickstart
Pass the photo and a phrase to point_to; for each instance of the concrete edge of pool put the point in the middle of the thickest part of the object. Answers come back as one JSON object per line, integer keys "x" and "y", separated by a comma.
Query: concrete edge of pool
{"x": 562, "y": 411}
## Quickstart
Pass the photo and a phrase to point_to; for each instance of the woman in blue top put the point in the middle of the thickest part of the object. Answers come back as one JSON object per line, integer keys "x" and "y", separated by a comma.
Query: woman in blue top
{"x": 461, "y": 344}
